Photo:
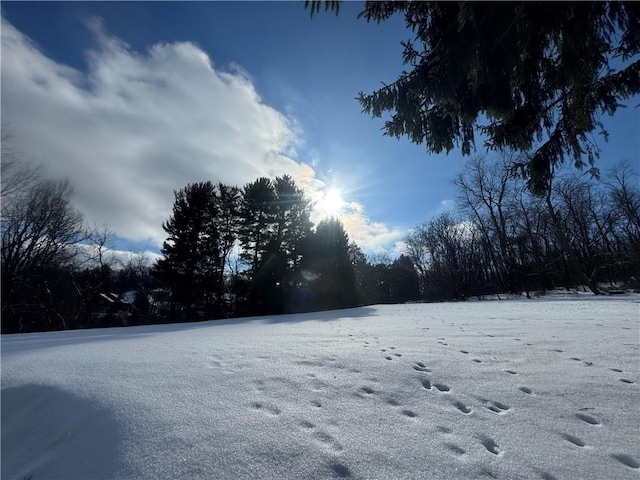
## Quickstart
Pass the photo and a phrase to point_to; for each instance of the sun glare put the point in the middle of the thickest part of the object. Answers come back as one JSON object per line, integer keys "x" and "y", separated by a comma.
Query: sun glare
{"x": 330, "y": 202}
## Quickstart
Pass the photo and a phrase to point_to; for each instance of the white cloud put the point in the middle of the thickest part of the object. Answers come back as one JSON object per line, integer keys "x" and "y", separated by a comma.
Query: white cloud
{"x": 136, "y": 126}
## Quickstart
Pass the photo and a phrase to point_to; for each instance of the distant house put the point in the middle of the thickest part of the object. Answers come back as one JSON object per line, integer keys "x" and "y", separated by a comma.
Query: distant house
{"x": 128, "y": 308}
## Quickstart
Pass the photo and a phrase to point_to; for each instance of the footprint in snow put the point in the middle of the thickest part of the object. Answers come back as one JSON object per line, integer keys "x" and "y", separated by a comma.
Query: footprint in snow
{"x": 573, "y": 439}
{"x": 547, "y": 476}
{"x": 270, "y": 409}
{"x": 421, "y": 367}
{"x": 328, "y": 440}
{"x": 491, "y": 445}
{"x": 462, "y": 407}
{"x": 340, "y": 470}
{"x": 306, "y": 424}
{"x": 588, "y": 419}
{"x": 627, "y": 460}
{"x": 498, "y": 407}
{"x": 455, "y": 448}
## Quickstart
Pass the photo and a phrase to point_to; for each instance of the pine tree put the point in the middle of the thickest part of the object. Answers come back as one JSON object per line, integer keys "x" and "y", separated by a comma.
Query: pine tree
{"x": 529, "y": 76}
{"x": 326, "y": 267}
{"x": 191, "y": 262}
{"x": 258, "y": 221}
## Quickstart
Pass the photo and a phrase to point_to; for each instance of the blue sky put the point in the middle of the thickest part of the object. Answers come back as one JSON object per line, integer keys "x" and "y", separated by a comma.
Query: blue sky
{"x": 133, "y": 100}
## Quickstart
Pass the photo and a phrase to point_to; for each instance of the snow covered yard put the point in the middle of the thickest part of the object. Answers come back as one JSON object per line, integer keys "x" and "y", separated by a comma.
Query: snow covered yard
{"x": 536, "y": 389}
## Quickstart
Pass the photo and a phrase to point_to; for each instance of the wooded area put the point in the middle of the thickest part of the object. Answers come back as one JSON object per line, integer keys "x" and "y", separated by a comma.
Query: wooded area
{"x": 253, "y": 250}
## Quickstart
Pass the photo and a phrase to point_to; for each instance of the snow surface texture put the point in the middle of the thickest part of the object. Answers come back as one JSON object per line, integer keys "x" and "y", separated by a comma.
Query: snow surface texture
{"x": 537, "y": 389}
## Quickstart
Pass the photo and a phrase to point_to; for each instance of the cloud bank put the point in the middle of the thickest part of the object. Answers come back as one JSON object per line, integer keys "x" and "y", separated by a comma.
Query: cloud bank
{"x": 136, "y": 126}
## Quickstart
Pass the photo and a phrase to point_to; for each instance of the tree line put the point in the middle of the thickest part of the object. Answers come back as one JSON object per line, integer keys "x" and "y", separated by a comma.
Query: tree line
{"x": 229, "y": 252}
{"x": 253, "y": 250}
{"x": 500, "y": 238}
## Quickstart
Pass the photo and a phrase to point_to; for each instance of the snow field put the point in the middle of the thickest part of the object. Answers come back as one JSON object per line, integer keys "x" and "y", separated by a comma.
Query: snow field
{"x": 544, "y": 388}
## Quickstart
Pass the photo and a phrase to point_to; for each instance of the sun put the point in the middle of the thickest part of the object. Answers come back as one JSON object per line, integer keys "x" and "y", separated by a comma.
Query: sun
{"x": 330, "y": 202}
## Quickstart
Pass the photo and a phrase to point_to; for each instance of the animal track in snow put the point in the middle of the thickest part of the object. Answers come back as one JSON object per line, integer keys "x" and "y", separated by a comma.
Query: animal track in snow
{"x": 512, "y": 372}
{"x": 421, "y": 367}
{"x": 306, "y": 424}
{"x": 576, "y": 359}
{"x": 491, "y": 445}
{"x": 409, "y": 413}
{"x": 464, "y": 351}
{"x": 616, "y": 370}
{"x": 442, "y": 429}
{"x": 426, "y": 383}
{"x": 327, "y": 439}
{"x": 526, "y": 390}
{"x": 627, "y": 460}
{"x": 340, "y": 470}
{"x": 588, "y": 419}
{"x": 455, "y": 448}
{"x": 547, "y": 476}
{"x": 462, "y": 407}
{"x": 476, "y": 360}
{"x": 498, "y": 407}
{"x": 270, "y": 409}
{"x": 442, "y": 387}
{"x": 397, "y": 354}
{"x": 368, "y": 390}
{"x": 388, "y": 358}
{"x": 626, "y": 380}
{"x": 393, "y": 402}
{"x": 573, "y": 439}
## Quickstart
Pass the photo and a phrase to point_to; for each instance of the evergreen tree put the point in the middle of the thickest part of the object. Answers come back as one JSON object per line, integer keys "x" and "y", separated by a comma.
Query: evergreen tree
{"x": 405, "y": 284}
{"x": 227, "y": 224}
{"x": 292, "y": 218}
{"x": 326, "y": 267}
{"x": 541, "y": 73}
{"x": 258, "y": 221}
{"x": 191, "y": 262}
{"x": 275, "y": 220}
